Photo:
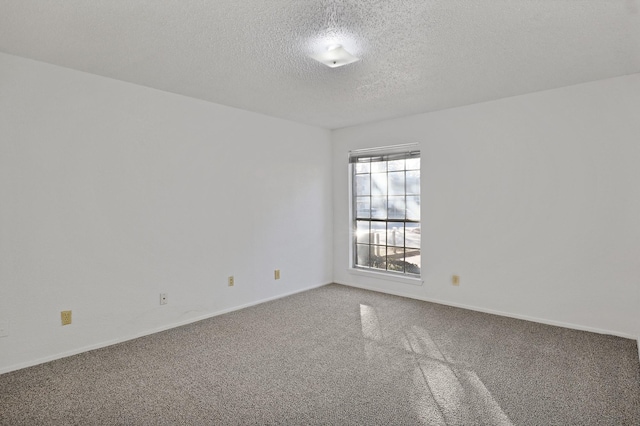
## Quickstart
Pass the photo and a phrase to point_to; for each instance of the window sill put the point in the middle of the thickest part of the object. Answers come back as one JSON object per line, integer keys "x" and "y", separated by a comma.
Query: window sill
{"x": 386, "y": 277}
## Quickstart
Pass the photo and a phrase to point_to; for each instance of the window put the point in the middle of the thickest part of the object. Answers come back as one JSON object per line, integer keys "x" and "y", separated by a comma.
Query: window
{"x": 386, "y": 210}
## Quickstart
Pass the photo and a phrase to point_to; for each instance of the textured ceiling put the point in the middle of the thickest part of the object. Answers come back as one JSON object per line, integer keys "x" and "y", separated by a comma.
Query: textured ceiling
{"x": 416, "y": 55}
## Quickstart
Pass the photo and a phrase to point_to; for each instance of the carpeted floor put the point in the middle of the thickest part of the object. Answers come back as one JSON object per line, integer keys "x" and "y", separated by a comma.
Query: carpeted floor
{"x": 342, "y": 356}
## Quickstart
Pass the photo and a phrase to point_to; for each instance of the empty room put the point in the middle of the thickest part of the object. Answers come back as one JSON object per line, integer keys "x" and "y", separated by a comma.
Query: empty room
{"x": 331, "y": 212}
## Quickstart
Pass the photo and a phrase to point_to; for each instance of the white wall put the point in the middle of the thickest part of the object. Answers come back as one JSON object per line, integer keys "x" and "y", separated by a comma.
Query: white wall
{"x": 112, "y": 193}
{"x": 533, "y": 200}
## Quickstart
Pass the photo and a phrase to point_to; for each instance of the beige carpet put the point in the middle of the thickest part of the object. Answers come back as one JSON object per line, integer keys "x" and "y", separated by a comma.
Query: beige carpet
{"x": 338, "y": 355}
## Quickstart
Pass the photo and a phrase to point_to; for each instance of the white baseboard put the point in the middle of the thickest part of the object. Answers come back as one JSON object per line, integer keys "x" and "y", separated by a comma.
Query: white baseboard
{"x": 501, "y": 313}
{"x": 87, "y": 348}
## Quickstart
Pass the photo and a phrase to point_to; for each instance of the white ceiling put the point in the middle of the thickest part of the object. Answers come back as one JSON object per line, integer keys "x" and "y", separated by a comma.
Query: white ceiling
{"x": 416, "y": 55}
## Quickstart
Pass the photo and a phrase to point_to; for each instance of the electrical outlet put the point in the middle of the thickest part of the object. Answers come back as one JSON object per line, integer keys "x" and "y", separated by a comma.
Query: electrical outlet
{"x": 276, "y": 274}
{"x": 65, "y": 317}
{"x": 455, "y": 280}
{"x": 4, "y": 329}
{"x": 163, "y": 298}
{"x": 231, "y": 281}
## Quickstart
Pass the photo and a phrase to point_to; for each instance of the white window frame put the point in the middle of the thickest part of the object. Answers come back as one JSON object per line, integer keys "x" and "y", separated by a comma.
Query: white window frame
{"x": 386, "y": 275}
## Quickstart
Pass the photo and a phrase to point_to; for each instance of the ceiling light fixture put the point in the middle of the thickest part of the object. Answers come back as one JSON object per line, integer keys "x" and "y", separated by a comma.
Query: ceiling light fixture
{"x": 335, "y": 56}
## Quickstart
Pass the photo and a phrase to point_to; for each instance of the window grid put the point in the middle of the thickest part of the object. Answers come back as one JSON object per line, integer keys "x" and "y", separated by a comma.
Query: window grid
{"x": 372, "y": 251}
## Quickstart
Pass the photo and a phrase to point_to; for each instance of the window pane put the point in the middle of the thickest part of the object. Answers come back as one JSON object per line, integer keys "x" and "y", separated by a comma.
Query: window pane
{"x": 396, "y": 183}
{"x": 379, "y": 184}
{"x": 413, "y": 183}
{"x": 396, "y": 208}
{"x": 412, "y": 235}
{"x": 379, "y": 233}
{"x": 362, "y": 255}
{"x": 363, "y": 207}
{"x": 412, "y": 259}
{"x": 363, "y": 167}
{"x": 395, "y": 234}
{"x": 379, "y": 257}
{"x": 378, "y": 166}
{"x": 363, "y": 185}
{"x": 362, "y": 232}
{"x": 395, "y": 259}
{"x": 413, "y": 164}
{"x": 413, "y": 208}
{"x": 395, "y": 165}
{"x": 379, "y": 207}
